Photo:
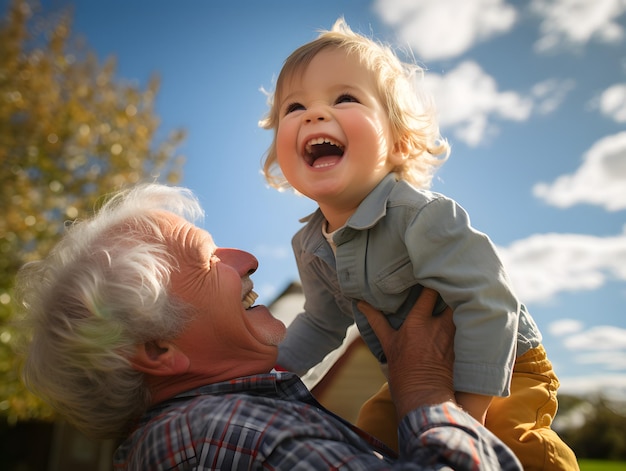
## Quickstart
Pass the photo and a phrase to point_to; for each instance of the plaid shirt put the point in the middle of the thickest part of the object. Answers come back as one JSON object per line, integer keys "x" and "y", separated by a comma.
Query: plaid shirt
{"x": 271, "y": 421}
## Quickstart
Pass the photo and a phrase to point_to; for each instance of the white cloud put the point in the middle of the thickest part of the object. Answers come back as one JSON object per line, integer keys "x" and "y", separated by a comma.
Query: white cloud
{"x": 600, "y": 338}
{"x": 442, "y": 29}
{"x": 565, "y": 327}
{"x": 469, "y": 101}
{"x": 608, "y": 360}
{"x": 576, "y": 22}
{"x": 603, "y": 346}
{"x": 612, "y": 386}
{"x": 600, "y": 180}
{"x": 550, "y": 93}
{"x": 613, "y": 102}
{"x": 545, "y": 264}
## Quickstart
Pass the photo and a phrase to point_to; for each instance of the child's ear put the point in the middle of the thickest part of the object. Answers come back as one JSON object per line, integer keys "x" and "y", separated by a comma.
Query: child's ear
{"x": 159, "y": 358}
{"x": 399, "y": 153}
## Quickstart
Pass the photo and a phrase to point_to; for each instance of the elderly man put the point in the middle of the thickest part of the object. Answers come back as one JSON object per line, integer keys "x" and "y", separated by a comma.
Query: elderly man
{"x": 141, "y": 327}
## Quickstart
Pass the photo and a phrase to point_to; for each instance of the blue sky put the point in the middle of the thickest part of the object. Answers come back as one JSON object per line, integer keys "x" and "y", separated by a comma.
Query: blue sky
{"x": 531, "y": 95}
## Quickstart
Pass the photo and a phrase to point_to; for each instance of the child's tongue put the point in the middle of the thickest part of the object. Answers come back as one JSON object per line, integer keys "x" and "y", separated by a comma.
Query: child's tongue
{"x": 327, "y": 161}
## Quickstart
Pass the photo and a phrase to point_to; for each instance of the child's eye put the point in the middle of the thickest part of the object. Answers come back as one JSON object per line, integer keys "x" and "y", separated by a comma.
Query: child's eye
{"x": 345, "y": 98}
{"x": 293, "y": 107}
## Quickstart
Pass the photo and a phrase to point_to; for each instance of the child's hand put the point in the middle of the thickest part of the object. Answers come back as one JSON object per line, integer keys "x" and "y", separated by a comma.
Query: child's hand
{"x": 420, "y": 354}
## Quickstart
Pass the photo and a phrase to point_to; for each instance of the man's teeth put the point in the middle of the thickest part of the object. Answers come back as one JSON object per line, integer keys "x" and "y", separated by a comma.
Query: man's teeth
{"x": 249, "y": 299}
{"x": 321, "y": 140}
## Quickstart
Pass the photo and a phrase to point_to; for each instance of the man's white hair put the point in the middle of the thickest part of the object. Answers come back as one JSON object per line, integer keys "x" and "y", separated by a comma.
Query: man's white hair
{"x": 101, "y": 291}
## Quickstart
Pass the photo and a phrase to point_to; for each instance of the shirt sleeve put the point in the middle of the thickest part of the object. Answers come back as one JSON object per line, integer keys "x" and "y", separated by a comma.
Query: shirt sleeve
{"x": 437, "y": 437}
{"x": 462, "y": 264}
{"x": 321, "y": 327}
{"x": 444, "y": 434}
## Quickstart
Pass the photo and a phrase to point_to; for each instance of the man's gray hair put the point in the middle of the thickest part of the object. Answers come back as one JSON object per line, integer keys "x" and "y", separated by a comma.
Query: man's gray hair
{"x": 101, "y": 291}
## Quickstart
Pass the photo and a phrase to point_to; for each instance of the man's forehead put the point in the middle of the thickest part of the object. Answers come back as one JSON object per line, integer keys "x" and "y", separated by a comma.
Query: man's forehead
{"x": 178, "y": 227}
{"x": 168, "y": 218}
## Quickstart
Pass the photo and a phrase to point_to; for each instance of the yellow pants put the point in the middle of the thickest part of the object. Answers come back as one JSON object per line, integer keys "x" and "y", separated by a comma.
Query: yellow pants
{"x": 522, "y": 420}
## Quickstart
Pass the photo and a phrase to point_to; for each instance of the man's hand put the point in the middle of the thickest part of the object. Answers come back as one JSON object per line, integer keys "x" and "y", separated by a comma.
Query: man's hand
{"x": 420, "y": 354}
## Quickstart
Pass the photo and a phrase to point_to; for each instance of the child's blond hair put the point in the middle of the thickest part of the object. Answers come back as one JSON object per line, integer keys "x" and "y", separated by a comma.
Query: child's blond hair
{"x": 411, "y": 114}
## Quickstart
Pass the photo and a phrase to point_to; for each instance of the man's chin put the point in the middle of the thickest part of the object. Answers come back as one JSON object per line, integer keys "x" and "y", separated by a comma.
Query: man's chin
{"x": 264, "y": 326}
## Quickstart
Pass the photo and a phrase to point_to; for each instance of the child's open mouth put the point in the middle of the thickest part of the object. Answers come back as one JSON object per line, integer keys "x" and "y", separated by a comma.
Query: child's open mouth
{"x": 322, "y": 152}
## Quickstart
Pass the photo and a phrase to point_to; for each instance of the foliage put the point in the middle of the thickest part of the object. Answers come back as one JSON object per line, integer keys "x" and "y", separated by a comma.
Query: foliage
{"x": 600, "y": 433}
{"x": 70, "y": 131}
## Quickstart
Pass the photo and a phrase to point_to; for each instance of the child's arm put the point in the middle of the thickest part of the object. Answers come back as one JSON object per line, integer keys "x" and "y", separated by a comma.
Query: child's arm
{"x": 475, "y": 405}
{"x": 463, "y": 266}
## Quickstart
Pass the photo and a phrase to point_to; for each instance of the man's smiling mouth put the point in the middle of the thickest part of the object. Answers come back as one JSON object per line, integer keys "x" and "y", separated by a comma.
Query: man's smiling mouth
{"x": 249, "y": 299}
{"x": 319, "y": 147}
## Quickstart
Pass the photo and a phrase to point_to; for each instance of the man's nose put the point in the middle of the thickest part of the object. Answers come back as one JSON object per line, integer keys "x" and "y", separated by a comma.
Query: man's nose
{"x": 245, "y": 263}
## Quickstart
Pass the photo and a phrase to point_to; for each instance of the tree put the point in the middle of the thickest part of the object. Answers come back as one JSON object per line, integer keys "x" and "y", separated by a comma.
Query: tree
{"x": 601, "y": 435}
{"x": 70, "y": 131}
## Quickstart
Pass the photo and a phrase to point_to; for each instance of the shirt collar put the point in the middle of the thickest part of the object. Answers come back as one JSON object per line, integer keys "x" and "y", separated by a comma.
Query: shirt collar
{"x": 277, "y": 384}
{"x": 371, "y": 209}
{"x": 374, "y": 206}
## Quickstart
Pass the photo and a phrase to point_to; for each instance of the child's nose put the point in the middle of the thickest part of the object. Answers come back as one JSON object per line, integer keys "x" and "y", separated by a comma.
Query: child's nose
{"x": 316, "y": 114}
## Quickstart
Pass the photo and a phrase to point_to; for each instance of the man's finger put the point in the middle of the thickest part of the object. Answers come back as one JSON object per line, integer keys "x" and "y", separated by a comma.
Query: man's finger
{"x": 426, "y": 301}
{"x": 376, "y": 320}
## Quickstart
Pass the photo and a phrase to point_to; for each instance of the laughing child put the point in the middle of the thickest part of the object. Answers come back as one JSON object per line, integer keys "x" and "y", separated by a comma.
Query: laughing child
{"x": 352, "y": 132}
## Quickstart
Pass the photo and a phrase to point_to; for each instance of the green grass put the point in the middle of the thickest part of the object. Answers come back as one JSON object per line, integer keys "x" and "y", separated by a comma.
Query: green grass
{"x": 598, "y": 465}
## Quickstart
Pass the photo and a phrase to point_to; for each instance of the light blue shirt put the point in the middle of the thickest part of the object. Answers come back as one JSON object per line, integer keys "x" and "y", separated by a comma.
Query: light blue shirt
{"x": 399, "y": 240}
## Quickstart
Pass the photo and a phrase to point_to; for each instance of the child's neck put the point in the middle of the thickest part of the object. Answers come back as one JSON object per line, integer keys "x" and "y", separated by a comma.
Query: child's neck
{"x": 338, "y": 210}
{"x": 336, "y": 217}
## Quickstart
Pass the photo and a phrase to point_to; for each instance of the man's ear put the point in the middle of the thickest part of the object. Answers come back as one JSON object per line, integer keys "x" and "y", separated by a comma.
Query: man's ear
{"x": 159, "y": 358}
